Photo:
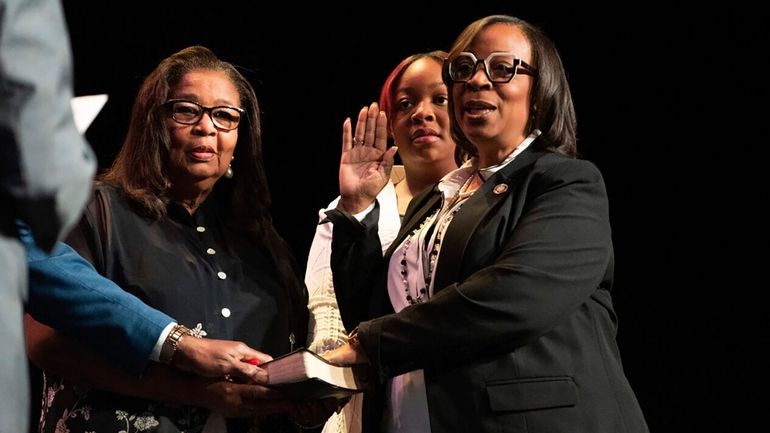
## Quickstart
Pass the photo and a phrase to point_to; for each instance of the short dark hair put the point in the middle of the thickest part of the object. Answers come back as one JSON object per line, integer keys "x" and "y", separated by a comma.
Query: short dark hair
{"x": 551, "y": 107}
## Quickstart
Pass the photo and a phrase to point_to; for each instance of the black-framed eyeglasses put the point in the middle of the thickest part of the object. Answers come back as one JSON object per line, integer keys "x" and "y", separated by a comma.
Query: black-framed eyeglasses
{"x": 500, "y": 67}
{"x": 186, "y": 112}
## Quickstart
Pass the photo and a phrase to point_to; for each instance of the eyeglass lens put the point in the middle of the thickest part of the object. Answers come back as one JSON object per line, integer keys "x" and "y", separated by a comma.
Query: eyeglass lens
{"x": 189, "y": 113}
{"x": 499, "y": 67}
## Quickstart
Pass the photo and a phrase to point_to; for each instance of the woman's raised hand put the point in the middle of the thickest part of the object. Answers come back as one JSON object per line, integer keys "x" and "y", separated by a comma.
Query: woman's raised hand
{"x": 366, "y": 161}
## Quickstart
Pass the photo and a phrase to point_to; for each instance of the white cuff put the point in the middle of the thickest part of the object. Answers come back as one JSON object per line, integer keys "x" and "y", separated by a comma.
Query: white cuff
{"x": 361, "y": 215}
{"x": 155, "y": 354}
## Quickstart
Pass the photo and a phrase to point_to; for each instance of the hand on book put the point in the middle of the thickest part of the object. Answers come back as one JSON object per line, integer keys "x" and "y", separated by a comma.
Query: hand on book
{"x": 346, "y": 355}
{"x": 219, "y": 358}
{"x": 233, "y": 399}
{"x": 303, "y": 375}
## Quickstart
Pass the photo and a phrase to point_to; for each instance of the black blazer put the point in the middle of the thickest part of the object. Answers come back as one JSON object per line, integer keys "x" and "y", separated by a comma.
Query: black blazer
{"x": 520, "y": 332}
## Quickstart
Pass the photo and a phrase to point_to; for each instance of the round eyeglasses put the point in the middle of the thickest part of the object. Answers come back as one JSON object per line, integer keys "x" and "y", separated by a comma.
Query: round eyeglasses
{"x": 500, "y": 67}
{"x": 187, "y": 112}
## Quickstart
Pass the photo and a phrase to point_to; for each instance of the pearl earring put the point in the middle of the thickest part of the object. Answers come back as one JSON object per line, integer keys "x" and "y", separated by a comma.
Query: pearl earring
{"x": 229, "y": 172}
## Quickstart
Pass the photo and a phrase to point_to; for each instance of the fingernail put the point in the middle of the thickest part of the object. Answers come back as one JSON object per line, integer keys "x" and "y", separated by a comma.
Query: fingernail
{"x": 253, "y": 361}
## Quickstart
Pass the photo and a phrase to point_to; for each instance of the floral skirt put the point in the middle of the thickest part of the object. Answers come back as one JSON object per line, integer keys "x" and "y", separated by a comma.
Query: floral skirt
{"x": 66, "y": 408}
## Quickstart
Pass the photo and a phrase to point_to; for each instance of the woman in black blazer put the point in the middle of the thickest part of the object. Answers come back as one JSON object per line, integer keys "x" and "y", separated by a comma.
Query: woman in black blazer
{"x": 491, "y": 311}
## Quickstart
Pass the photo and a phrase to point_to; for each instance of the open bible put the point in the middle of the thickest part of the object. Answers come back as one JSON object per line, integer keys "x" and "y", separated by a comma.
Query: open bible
{"x": 304, "y": 375}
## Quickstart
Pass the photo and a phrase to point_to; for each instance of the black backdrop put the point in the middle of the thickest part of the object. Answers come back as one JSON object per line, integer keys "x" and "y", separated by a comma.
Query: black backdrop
{"x": 659, "y": 99}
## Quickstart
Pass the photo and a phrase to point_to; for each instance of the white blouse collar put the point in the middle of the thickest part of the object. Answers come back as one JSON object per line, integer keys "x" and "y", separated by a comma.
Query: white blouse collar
{"x": 453, "y": 180}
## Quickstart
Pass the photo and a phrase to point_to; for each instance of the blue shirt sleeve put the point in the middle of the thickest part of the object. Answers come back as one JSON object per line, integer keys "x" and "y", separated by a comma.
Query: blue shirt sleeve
{"x": 68, "y": 294}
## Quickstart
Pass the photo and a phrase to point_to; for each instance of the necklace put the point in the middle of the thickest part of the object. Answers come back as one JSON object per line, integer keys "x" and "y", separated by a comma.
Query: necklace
{"x": 405, "y": 273}
{"x": 443, "y": 217}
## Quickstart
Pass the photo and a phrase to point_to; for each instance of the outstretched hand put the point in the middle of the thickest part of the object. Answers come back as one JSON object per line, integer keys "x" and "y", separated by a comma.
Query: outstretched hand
{"x": 219, "y": 358}
{"x": 232, "y": 399}
{"x": 366, "y": 162}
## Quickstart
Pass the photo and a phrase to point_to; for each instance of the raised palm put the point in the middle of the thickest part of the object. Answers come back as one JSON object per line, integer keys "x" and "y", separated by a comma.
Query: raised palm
{"x": 366, "y": 162}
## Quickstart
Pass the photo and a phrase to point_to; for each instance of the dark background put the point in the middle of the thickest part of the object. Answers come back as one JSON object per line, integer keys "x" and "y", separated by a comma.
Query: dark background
{"x": 663, "y": 101}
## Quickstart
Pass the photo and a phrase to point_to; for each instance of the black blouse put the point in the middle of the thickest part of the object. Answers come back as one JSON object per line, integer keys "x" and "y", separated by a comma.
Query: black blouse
{"x": 189, "y": 266}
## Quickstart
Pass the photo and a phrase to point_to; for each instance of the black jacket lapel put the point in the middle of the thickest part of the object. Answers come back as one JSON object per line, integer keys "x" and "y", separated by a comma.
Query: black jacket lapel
{"x": 496, "y": 189}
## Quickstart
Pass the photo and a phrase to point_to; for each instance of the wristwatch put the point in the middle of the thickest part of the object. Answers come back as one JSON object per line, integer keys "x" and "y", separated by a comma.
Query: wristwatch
{"x": 172, "y": 341}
